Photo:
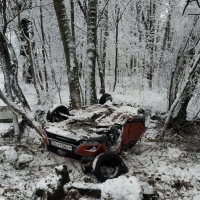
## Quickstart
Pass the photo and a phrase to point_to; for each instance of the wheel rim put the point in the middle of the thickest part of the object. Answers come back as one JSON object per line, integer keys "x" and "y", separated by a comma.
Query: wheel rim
{"x": 109, "y": 168}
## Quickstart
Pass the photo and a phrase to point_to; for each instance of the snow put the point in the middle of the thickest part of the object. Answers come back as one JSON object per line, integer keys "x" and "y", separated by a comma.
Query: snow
{"x": 152, "y": 166}
{"x": 112, "y": 189}
{"x": 64, "y": 132}
{"x": 8, "y": 154}
{"x": 53, "y": 107}
{"x": 83, "y": 185}
{"x": 108, "y": 116}
{"x": 4, "y": 127}
{"x": 144, "y": 98}
{"x": 197, "y": 197}
{"x": 126, "y": 109}
{"x": 51, "y": 179}
{"x": 24, "y": 159}
{"x": 148, "y": 162}
{"x": 123, "y": 187}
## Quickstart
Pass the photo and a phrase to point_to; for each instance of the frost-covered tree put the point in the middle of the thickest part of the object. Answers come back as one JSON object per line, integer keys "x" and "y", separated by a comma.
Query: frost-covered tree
{"x": 9, "y": 66}
{"x": 69, "y": 50}
{"x": 102, "y": 41}
{"x": 90, "y": 86}
{"x": 30, "y": 68}
{"x": 183, "y": 41}
{"x": 13, "y": 96}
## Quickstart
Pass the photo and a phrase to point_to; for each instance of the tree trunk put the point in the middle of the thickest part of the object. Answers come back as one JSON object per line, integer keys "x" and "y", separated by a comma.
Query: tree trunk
{"x": 33, "y": 71}
{"x": 28, "y": 48}
{"x": 90, "y": 84}
{"x": 10, "y": 70}
{"x": 69, "y": 50}
{"x": 9, "y": 64}
{"x": 72, "y": 20}
{"x": 23, "y": 25}
{"x": 177, "y": 73}
{"x": 117, "y": 11}
{"x": 181, "y": 117}
{"x": 149, "y": 25}
{"x": 13, "y": 89}
{"x": 24, "y": 111}
{"x": 43, "y": 47}
{"x": 6, "y": 66}
{"x": 103, "y": 45}
{"x": 166, "y": 39}
{"x": 183, "y": 97}
{"x": 151, "y": 42}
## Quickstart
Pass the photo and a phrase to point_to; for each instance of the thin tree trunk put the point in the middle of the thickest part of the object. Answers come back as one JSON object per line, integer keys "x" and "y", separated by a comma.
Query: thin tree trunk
{"x": 72, "y": 20}
{"x": 151, "y": 42}
{"x": 166, "y": 41}
{"x": 43, "y": 48}
{"x": 31, "y": 59}
{"x": 116, "y": 47}
{"x": 30, "y": 53}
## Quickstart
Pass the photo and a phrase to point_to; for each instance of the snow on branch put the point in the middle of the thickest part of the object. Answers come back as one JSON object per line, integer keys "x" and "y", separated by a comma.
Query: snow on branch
{"x": 180, "y": 95}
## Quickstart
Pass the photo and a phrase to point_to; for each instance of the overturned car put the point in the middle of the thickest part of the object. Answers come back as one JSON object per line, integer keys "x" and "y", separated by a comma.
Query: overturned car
{"x": 95, "y": 134}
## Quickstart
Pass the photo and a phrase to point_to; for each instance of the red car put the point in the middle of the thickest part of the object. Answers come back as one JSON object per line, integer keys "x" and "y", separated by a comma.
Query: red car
{"x": 95, "y": 134}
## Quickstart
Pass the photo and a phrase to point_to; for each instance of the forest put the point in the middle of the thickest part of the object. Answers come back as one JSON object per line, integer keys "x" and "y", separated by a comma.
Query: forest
{"x": 70, "y": 49}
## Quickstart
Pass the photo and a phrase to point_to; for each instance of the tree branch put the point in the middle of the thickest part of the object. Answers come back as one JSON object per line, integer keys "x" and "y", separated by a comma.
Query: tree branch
{"x": 82, "y": 9}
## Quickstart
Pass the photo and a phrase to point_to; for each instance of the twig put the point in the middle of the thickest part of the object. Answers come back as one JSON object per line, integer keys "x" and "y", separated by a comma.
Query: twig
{"x": 142, "y": 164}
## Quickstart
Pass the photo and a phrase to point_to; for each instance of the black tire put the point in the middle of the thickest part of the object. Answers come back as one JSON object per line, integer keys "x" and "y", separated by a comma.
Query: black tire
{"x": 107, "y": 166}
{"x": 54, "y": 116}
{"x": 129, "y": 146}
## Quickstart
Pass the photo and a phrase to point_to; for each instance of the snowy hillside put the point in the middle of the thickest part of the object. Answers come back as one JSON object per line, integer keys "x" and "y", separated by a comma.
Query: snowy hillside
{"x": 167, "y": 170}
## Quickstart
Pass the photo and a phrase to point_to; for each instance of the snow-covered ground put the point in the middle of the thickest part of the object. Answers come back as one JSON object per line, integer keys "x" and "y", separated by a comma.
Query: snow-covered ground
{"x": 168, "y": 169}
{"x": 162, "y": 167}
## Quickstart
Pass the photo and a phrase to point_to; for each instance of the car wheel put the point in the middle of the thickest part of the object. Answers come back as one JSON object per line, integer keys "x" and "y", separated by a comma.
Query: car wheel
{"x": 53, "y": 115}
{"x": 107, "y": 166}
{"x": 128, "y": 147}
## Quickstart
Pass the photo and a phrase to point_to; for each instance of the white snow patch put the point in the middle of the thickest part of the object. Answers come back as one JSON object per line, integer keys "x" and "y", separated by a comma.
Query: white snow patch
{"x": 49, "y": 183}
{"x": 8, "y": 154}
{"x": 174, "y": 153}
{"x": 197, "y": 197}
{"x": 123, "y": 187}
{"x": 128, "y": 109}
{"x": 23, "y": 159}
